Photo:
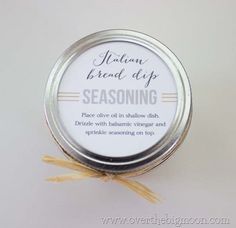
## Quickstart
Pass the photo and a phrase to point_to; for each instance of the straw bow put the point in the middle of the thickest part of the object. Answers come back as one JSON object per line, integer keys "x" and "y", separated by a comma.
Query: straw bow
{"x": 83, "y": 172}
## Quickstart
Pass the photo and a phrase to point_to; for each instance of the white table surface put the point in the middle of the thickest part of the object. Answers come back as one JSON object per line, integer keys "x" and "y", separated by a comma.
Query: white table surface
{"x": 197, "y": 182}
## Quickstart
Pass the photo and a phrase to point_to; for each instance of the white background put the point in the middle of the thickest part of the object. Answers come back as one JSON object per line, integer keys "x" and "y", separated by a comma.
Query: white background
{"x": 198, "y": 181}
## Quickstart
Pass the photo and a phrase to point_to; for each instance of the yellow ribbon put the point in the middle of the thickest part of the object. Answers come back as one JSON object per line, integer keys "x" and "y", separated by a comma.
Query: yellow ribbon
{"x": 84, "y": 172}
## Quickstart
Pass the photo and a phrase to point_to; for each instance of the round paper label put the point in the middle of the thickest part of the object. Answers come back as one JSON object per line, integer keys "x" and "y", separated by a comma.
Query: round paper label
{"x": 117, "y": 99}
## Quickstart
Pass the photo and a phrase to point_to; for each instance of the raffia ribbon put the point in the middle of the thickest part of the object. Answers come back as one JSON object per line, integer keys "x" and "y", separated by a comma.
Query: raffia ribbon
{"x": 84, "y": 172}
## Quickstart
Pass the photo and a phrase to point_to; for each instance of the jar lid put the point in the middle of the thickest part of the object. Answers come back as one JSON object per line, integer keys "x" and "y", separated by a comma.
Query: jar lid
{"x": 118, "y": 101}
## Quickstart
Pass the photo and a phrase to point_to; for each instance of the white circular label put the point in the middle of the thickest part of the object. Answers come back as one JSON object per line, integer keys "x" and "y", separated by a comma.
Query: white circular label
{"x": 117, "y": 99}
